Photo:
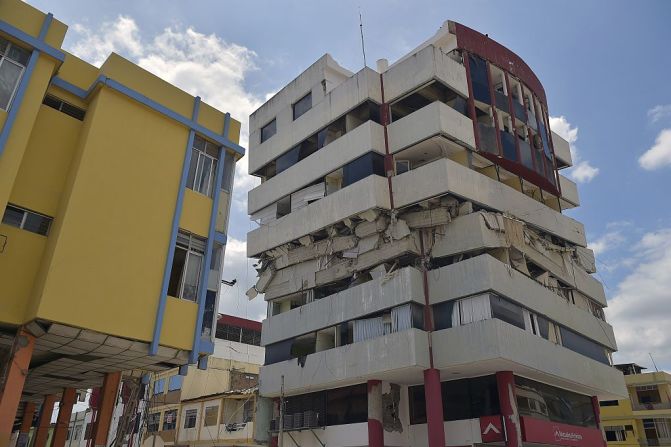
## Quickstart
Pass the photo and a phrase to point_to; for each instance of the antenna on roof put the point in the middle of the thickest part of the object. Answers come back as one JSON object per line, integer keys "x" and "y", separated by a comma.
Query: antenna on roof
{"x": 653, "y": 361}
{"x": 363, "y": 47}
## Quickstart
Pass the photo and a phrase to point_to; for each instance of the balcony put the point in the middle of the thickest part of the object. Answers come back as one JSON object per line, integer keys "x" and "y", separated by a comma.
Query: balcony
{"x": 371, "y": 192}
{"x": 365, "y": 299}
{"x": 498, "y": 346}
{"x": 569, "y": 193}
{"x": 445, "y": 176}
{"x": 348, "y": 147}
{"x": 435, "y": 119}
{"x": 420, "y": 68}
{"x": 637, "y": 406}
{"x": 562, "y": 151}
{"x": 346, "y": 96}
{"x": 485, "y": 273}
{"x": 399, "y": 357}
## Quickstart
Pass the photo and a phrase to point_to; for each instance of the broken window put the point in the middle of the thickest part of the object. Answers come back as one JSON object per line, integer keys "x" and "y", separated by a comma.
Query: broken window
{"x": 153, "y": 421}
{"x": 479, "y": 78}
{"x": 186, "y": 265}
{"x": 268, "y": 130}
{"x": 302, "y": 105}
{"x": 203, "y": 167}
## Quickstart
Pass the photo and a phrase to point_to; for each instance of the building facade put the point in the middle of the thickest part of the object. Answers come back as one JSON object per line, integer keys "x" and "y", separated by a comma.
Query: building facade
{"x": 644, "y": 419}
{"x": 114, "y": 198}
{"x": 424, "y": 286}
{"x": 211, "y": 407}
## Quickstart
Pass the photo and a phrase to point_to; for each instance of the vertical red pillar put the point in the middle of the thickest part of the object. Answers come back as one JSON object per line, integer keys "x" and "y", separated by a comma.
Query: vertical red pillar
{"x": 108, "y": 393}
{"x": 597, "y": 417}
{"x": 63, "y": 421}
{"x": 26, "y": 423}
{"x": 44, "y": 421}
{"x": 15, "y": 377}
{"x": 434, "y": 408}
{"x": 505, "y": 382}
{"x": 375, "y": 430}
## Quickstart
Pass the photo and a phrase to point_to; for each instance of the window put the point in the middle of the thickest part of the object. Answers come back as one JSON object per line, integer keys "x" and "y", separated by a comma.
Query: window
{"x": 78, "y": 432}
{"x": 615, "y": 433}
{"x": 229, "y": 172}
{"x": 13, "y": 61}
{"x": 64, "y": 107}
{"x": 248, "y": 410}
{"x": 190, "y": 417}
{"x": 186, "y": 266}
{"x": 153, "y": 420}
{"x": 609, "y": 403}
{"x": 175, "y": 383}
{"x": 582, "y": 345}
{"x": 371, "y": 163}
{"x": 170, "y": 420}
{"x": 507, "y": 311}
{"x": 268, "y": 130}
{"x": 203, "y": 167}
{"x": 347, "y": 405}
{"x": 539, "y": 400}
{"x": 211, "y": 414}
{"x": 462, "y": 399}
{"x": 159, "y": 386}
{"x": 26, "y": 220}
{"x": 302, "y": 105}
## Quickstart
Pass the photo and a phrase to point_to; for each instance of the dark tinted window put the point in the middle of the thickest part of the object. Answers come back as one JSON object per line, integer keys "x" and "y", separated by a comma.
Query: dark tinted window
{"x": 479, "y": 78}
{"x": 347, "y": 405}
{"x": 278, "y": 352}
{"x": 13, "y": 216}
{"x": 609, "y": 403}
{"x": 302, "y": 105}
{"x": 462, "y": 399}
{"x": 588, "y": 348}
{"x": 442, "y": 315}
{"x": 543, "y": 327}
{"x": 544, "y": 401}
{"x": 288, "y": 159}
{"x": 368, "y": 164}
{"x": 507, "y": 311}
{"x": 268, "y": 130}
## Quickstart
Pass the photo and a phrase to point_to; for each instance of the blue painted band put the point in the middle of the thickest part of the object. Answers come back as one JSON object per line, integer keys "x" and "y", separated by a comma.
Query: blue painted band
{"x": 18, "y": 100}
{"x": 35, "y": 42}
{"x": 193, "y": 356}
{"x": 220, "y": 238}
{"x": 206, "y": 346}
{"x": 25, "y": 80}
{"x": 163, "y": 297}
{"x": 221, "y": 140}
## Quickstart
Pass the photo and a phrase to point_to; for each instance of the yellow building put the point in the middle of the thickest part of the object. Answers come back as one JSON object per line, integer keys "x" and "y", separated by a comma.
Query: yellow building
{"x": 211, "y": 407}
{"x": 114, "y": 197}
{"x": 645, "y": 418}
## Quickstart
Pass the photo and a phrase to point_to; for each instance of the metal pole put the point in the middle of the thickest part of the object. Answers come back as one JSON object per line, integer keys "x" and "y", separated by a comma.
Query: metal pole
{"x": 280, "y": 440}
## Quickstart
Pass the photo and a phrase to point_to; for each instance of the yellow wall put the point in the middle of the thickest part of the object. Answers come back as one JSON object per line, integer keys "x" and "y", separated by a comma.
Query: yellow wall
{"x": 196, "y": 212}
{"x": 29, "y": 20}
{"x": 107, "y": 265}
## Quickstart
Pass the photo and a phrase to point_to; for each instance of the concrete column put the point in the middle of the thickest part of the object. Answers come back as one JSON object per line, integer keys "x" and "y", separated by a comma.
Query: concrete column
{"x": 26, "y": 423}
{"x": 597, "y": 417}
{"x": 103, "y": 421}
{"x": 375, "y": 430}
{"x": 44, "y": 421}
{"x": 16, "y": 372}
{"x": 505, "y": 382}
{"x": 63, "y": 421}
{"x": 434, "y": 408}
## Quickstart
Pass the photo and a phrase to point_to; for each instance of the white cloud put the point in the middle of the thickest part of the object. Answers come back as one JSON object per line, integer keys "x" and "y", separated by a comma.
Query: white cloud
{"x": 640, "y": 311}
{"x": 658, "y": 112}
{"x": 606, "y": 242}
{"x": 582, "y": 171}
{"x": 659, "y": 155}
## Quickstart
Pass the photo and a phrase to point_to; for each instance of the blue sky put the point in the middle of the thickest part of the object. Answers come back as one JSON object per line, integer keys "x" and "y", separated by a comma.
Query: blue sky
{"x": 604, "y": 65}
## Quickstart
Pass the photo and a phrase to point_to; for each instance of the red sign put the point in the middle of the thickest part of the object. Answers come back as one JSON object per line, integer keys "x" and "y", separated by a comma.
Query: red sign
{"x": 553, "y": 433}
{"x": 491, "y": 429}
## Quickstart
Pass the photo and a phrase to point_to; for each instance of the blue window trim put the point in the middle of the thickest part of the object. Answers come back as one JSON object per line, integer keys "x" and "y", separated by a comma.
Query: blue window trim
{"x": 211, "y": 236}
{"x": 159, "y": 386}
{"x": 37, "y": 43}
{"x": 163, "y": 297}
{"x": 38, "y": 46}
{"x": 192, "y": 123}
{"x": 175, "y": 383}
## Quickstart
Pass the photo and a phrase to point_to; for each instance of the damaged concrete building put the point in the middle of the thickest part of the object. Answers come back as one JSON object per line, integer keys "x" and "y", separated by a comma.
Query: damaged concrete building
{"x": 424, "y": 287}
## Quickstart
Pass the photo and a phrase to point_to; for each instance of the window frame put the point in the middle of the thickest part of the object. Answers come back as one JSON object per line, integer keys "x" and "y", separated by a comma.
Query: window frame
{"x": 24, "y": 218}
{"x": 198, "y": 156}
{"x": 190, "y": 252}
{"x": 293, "y": 106}
{"x": 190, "y": 418}
{"x": 274, "y": 123}
{"x": 173, "y": 412}
{"x": 4, "y": 56}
